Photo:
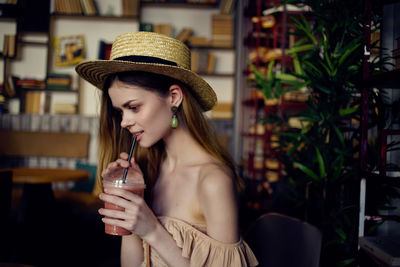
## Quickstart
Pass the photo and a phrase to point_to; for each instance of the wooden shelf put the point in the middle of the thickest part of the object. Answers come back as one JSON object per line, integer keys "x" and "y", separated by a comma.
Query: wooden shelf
{"x": 211, "y": 47}
{"x": 175, "y": 5}
{"x": 94, "y": 17}
{"x": 49, "y": 90}
{"x": 221, "y": 75}
{"x": 34, "y": 43}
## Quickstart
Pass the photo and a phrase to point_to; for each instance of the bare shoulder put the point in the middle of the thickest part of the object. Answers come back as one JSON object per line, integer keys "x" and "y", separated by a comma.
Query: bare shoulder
{"x": 215, "y": 178}
{"x": 217, "y": 198}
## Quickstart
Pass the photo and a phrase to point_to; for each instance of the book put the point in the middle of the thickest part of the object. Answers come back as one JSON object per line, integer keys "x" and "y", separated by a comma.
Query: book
{"x": 226, "y": 6}
{"x": 30, "y": 84}
{"x": 184, "y": 34}
{"x": 11, "y": 45}
{"x": 203, "y": 62}
{"x": 221, "y": 43}
{"x": 222, "y": 111}
{"x": 33, "y": 102}
{"x": 222, "y": 29}
{"x": 194, "y": 61}
{"x": 10, "y": 85}
{"x": 5, "y": 44}
{"x": 104, "y": 50}
{"x": 198, "y": 41}
{"x": 88, "y": 7}
{"x": 110, "y": 7}
{"x": 146, "y": 27}
{"x": 210, "y": 63}
{"x": 64, "y": 108}
{"x": 130, "y": 7}
{"x": 165, "y": 29}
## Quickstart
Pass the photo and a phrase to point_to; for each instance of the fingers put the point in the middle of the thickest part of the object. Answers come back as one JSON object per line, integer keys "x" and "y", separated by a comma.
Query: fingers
{"x": 123, "y": 163}
{"x": 120, "y": 214}
{"x": 128, "y": 225}
{"x": 125, "y": 209}
{"x": 121, "y": 197}
{"x": 124, "y": 155}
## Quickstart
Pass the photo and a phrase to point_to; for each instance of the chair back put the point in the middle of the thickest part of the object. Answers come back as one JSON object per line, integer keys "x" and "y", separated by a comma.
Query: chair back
{"x": 44, "y": 144}
{"x": 278, "y": 240}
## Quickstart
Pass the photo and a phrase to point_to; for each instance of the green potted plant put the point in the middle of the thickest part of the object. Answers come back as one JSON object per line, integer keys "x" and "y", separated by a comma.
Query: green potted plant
{"x": 320, "y": 159}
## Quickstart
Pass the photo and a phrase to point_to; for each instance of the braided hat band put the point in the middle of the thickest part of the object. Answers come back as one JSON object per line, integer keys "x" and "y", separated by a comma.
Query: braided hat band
{"x": 150, "y": 52}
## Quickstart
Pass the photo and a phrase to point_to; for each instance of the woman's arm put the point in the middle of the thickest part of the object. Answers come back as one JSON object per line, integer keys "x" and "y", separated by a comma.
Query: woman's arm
{"x": 132, "y": 253}
{"x": 141, "y": 221}
{"x": 217, "y": 197}
{"x": 138, "y": 218}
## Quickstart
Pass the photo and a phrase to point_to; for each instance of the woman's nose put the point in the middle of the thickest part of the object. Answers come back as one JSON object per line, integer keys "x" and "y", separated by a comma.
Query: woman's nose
{"x": 126, "y": 121}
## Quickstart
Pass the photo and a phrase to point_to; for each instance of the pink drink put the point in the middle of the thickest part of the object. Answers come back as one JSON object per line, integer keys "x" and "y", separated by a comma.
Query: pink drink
{"x": 132, "y": 186}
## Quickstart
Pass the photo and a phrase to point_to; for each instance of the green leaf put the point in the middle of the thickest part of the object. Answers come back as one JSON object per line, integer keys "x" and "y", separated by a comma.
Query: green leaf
{"x": 296, "y": 64}
{"x": 347, "y": 111}
{"x": 297, "y": 86}
{"x": 307, "y": 171}
{"x": 270, "y": 68}
{"x": 298, "y": 49}
{"x": 346, "y": 262}
{"x": 328, "y": 60}
{"x": 347, "y": 53}
{"x": 300, "y": 42}
{"x": 313, "y": 67}
{"x": 321, "y": 164}
{"x": 327, "y": 69}
{"x": 304, "y": 26}
{"x": 337, "y": 166}
{"x": 339, "y": 135}
{"x": 285, "y": 77}
{"x": 341, "y": 233}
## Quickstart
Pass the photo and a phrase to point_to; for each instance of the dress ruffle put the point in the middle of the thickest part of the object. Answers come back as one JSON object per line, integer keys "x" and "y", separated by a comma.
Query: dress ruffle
{"x": 203, "y": 250}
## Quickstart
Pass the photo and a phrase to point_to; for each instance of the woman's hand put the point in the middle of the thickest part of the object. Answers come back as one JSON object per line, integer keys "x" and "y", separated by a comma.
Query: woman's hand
{"x": 116, "y": 169}
{"x": 137, "y": 217}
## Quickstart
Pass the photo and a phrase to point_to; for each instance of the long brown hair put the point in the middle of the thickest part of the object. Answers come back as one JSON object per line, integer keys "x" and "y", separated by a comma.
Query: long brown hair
{"x": 113, "y": 139}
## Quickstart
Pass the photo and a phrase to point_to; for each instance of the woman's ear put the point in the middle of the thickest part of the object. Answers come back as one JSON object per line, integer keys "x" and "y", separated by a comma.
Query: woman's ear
{"x": 175, "y": 95}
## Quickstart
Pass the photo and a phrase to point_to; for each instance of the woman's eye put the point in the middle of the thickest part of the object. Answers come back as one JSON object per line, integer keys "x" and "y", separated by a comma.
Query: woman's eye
{"x": 134, "y": 108}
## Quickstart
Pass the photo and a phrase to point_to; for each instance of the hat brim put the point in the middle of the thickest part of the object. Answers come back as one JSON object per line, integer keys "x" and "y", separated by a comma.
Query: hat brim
{"x": 96, "y": 72}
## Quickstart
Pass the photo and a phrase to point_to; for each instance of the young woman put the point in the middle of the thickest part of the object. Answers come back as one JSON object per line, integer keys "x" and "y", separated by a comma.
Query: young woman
{"x": 189, "y": 216}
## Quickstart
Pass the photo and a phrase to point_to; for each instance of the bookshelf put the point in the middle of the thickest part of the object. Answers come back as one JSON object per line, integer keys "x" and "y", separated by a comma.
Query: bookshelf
{"x": 103, "y": 26}
{"x": 36, "y": 51}
{"x": 110, "y": 20}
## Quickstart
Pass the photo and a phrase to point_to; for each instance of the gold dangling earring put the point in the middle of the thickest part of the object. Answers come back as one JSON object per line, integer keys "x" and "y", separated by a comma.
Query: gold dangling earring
{"x": 174, "y": 121}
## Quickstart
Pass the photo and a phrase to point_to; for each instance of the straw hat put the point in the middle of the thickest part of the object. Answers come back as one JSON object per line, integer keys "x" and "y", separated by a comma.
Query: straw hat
{"x": 151, "y": 52}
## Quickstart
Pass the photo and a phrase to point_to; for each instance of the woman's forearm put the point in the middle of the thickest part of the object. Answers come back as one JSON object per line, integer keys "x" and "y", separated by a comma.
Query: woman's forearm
{"x": 132, "y": 252}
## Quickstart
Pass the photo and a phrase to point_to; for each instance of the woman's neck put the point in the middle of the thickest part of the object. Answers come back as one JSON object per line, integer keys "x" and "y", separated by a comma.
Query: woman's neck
{"x": 182, "y": 149}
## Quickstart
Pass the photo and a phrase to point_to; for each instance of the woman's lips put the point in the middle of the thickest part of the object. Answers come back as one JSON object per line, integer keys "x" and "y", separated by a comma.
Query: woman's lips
{"x": 138, "y": 135}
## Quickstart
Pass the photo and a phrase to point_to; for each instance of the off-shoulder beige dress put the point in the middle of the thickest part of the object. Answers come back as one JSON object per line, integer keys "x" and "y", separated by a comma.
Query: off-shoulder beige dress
{"x": 201, "y": 249}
